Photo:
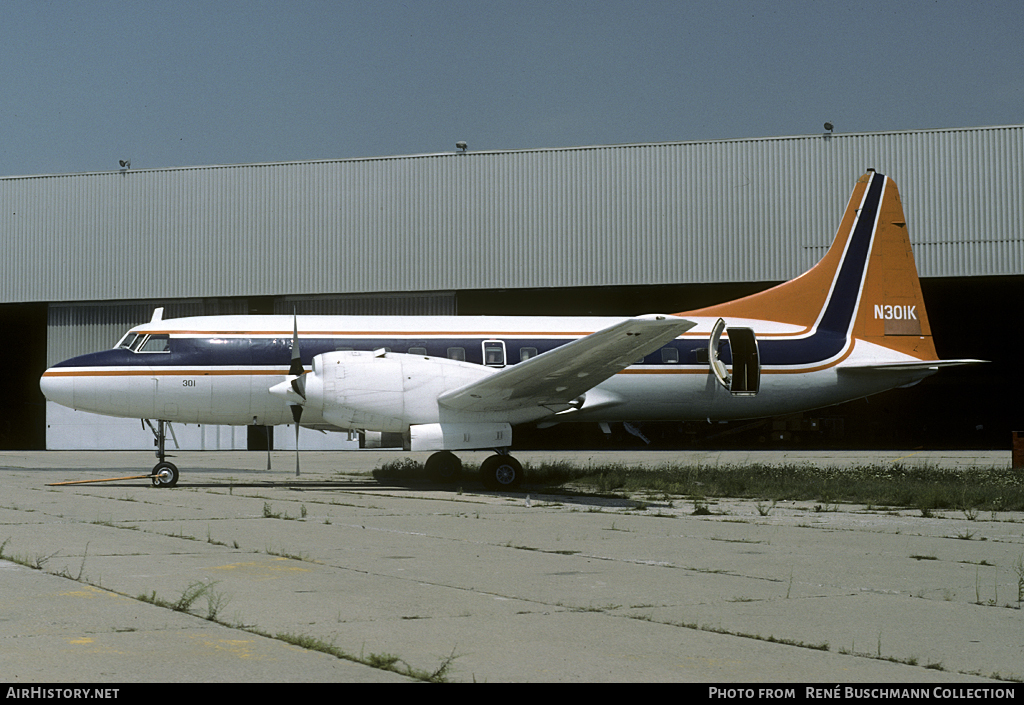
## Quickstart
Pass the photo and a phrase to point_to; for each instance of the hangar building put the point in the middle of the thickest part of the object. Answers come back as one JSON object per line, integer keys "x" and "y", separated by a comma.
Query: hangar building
{"x": 621, "y": 229}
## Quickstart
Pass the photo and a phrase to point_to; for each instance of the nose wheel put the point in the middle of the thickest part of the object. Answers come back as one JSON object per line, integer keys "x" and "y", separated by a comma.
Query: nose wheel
{"x": 164, "y": 475}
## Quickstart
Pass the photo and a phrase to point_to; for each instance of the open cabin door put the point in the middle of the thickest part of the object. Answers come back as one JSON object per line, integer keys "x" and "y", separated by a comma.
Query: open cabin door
{"x": 745, "y": 378}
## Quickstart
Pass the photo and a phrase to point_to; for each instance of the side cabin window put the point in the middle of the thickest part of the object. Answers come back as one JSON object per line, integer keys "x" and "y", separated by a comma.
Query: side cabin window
{"x": 527, "y": 353}
{"x": 457, "y": 354}
{"x": 670, "y": 355}
{"x": 494, "y": 353}
{"x": 155, "y": 344}
{"x": 418, "y": 351}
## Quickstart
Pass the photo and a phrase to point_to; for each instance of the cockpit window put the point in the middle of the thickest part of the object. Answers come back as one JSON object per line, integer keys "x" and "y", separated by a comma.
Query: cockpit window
{"x": 155, "y": 344}
{"x": 127, "y": 340}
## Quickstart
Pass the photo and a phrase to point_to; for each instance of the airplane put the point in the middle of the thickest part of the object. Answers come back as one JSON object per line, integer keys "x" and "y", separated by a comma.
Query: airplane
{"x": 852, "y": 326}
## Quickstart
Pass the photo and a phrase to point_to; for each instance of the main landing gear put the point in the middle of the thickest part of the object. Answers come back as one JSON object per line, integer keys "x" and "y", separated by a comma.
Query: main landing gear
{"x": 165, "y": 474}
{"x": 499, "y": 472}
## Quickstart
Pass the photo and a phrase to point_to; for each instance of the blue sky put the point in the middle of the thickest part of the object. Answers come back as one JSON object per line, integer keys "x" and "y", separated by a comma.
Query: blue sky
{"x": 182, "y": 83}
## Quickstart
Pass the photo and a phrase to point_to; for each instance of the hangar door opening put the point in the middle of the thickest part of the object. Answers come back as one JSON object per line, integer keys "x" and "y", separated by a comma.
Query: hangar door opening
{"x": 22, "y": 405}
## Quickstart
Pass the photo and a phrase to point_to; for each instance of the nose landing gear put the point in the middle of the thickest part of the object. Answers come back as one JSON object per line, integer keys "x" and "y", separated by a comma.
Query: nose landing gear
{"x": 165, "y": 474}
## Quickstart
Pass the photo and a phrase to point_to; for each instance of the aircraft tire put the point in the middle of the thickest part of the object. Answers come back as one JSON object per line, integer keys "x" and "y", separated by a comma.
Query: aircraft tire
{"x": 165, "y": 475}
{"x": 443, "y": 466}
{"x": 501, "y": 472}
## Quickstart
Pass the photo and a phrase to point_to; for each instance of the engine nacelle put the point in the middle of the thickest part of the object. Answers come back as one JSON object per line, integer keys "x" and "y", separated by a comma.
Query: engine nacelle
{"x": 386, "y": 392}
{"x": 459, "y": 436}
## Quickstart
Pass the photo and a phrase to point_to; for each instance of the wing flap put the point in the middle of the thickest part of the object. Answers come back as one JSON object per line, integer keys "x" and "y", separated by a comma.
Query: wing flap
{"x": 558, "y": 377}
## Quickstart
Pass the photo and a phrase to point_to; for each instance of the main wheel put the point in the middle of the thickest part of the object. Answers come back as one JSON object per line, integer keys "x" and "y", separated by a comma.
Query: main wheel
{"x": 501, "y": 472}
{"x": 443, "y": 466}
{"x": 164, "y": 475}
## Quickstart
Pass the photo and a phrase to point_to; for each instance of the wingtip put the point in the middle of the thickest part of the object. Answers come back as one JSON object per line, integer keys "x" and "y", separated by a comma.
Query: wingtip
{"x": 669, "y": 319}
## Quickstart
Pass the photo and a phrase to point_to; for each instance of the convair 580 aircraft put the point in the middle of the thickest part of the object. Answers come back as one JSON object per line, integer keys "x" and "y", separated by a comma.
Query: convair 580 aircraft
{"x": 853, "y": 325}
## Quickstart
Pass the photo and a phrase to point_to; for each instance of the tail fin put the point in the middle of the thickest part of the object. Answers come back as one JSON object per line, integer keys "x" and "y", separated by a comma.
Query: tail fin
{"x": 866, "y": 285}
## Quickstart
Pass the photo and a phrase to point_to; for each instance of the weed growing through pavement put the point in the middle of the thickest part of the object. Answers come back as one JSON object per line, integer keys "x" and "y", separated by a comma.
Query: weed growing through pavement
{"x": 215, "y": 601}
{"x": 39, "y": 562}
{"x": 384, "y": 661}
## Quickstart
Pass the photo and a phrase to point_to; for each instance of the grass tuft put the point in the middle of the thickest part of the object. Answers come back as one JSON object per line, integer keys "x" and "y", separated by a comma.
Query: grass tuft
{"x": 927, "y": 488}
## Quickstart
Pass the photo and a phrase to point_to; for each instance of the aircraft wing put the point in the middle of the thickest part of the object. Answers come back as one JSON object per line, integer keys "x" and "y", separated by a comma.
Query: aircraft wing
{"x": 559, "y": 376}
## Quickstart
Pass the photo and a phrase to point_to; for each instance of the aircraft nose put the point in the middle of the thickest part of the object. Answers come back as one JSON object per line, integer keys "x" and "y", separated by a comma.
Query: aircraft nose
{"x": 58, "y": 387}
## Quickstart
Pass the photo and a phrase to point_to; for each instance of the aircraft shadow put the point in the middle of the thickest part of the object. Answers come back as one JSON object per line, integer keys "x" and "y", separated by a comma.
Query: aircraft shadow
{"x": 469, "y": 484}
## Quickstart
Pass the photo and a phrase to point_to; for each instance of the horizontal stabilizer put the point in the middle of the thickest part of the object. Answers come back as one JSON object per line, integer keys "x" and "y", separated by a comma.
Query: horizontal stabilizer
{"x": 914, "y": 366}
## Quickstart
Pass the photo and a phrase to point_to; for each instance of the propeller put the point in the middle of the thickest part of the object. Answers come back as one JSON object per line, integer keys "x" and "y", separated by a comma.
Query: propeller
{"x": 293, "y": 389}
{"x": 298, "y": 383}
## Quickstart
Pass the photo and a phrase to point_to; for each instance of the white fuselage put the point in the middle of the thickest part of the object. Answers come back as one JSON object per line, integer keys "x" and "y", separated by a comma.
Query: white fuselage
{"x": 219, "y": 370}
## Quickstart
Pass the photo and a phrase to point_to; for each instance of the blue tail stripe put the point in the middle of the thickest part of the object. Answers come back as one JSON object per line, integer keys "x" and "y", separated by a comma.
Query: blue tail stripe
{"x": 838, "y": 316}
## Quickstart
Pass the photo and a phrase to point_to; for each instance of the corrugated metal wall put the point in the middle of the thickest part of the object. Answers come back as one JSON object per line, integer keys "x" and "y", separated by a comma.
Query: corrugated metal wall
{"x": 690, "y": 212}
{"x": 440, "y": 304}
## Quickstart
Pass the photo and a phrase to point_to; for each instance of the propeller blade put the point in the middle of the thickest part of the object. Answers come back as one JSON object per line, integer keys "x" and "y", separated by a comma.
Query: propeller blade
{"x": 269, "y": 443}
{"x": 296, "y": 367}
{"x": 299, "y": 386}
{"x": 298, "y": 383}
